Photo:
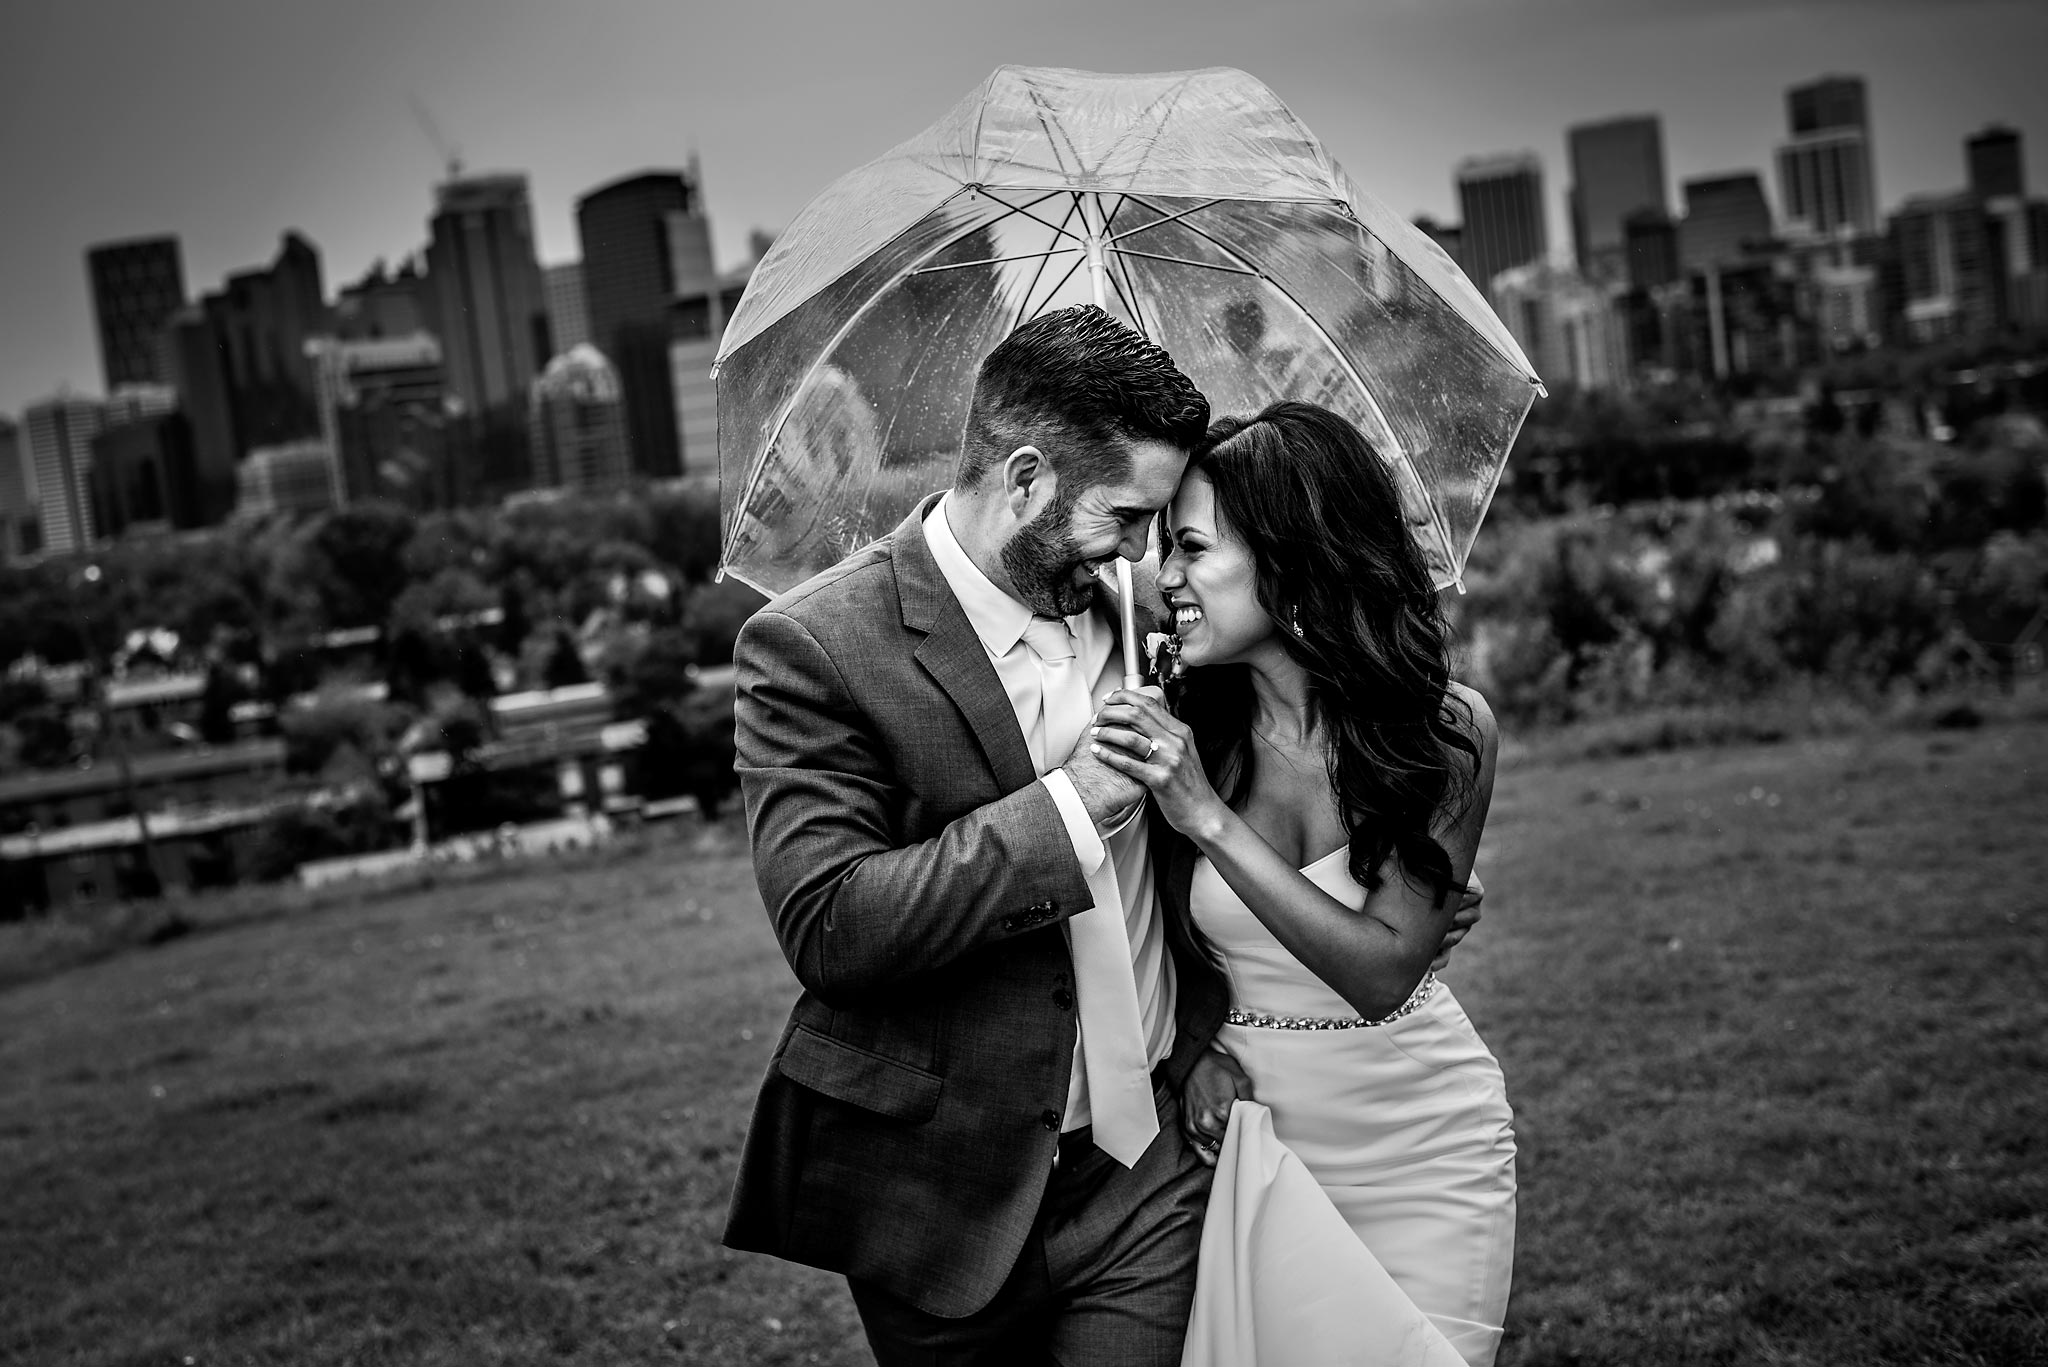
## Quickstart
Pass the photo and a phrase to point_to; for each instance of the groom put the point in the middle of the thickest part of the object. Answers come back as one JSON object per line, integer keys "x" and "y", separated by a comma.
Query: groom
{"x": 970, "y": 1113}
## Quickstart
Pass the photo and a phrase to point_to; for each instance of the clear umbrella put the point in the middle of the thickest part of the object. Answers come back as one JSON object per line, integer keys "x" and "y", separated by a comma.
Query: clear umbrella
{"x": 1194, "y": 206}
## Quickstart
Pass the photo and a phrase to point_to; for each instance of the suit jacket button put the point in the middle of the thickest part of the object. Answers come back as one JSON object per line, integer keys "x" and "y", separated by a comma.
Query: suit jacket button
{"x": 1062, "y": 998}
{"x": 1050, "y": 1119}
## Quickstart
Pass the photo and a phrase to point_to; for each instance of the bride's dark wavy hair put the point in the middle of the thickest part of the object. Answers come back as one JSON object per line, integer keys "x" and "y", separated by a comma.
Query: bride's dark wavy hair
{"x": 1304, "y": 490}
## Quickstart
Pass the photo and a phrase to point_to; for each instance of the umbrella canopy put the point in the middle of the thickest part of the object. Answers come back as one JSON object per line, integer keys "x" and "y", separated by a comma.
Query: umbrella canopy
{"x": 1194, "y": 206}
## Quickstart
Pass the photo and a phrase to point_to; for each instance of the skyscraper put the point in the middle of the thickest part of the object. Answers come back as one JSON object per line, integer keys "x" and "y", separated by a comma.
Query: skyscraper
{"x": 136, "y": 285}
{"x": 1723, "y": 214}
{"x": 1997, "y": 170}
{"x": 1948, "y": 265}
{"x": 383, "y": 412}
{"x": 644, "y": 241}
{"x": 261, "y": 319}
{"x": 1826, "y": 103}
{"x": 198, "y": 374}
{"x": 18, "y": 535}
{"x": 60, "y": 433}
{"x": 487, "y": 305}
{"x": 568, "y": 314}
{"x": 1825, "y": 182}
{"x": 1617, "y": 170}
{"x": 1501, "y": 198}
{"x": 579, "y": 427}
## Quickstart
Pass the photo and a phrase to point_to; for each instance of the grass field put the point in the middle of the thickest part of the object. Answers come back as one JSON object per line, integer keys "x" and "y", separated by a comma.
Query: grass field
{"x": 1774, "y": 1020}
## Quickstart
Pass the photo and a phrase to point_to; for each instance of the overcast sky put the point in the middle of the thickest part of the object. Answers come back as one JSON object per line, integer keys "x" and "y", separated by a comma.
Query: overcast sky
{"x": 227, "y": 122}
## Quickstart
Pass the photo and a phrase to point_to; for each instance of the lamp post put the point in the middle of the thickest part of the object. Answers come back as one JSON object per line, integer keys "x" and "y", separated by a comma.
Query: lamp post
{"x": 98, "y": 684}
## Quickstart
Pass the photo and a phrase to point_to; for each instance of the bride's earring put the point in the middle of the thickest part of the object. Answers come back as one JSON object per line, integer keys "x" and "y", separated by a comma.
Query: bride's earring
{"x": 1294, "y": 624}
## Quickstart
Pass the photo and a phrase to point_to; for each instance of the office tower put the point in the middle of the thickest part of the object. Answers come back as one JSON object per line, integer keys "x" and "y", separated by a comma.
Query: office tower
{"x": 1617, "y": 170}
{"x": 1501, "y": 198}
{"x": 1650, "y": 245}
{"x": 579, "y": 424}
{"x": 1723, "y": 216}
{"x": 1825, "y": 181}
{"x": 17, "y": 497}
{"x": 699, "y": 324}
{"x": 136, "y": 285}
{"x": 1827, "y": 103}
{"x": 144, "y": 477}
{"x": 385, "y": 416}
{"x": 641, "y": 247}
{"x": 568, "y": 316}
{"x": 486, "y": 303}
{"x": 261, "y": 319}
{"x": 1949, "y": 273}
{"x": 1566, "y": 325}
{"x": 1997, "y": 169}
{"x": 60, "y": 433}
{"x": 198, "y": 375}
{"x": 137, "y": 403}
{"x": 382, "y": 304}
{"x": 295, "y": 477}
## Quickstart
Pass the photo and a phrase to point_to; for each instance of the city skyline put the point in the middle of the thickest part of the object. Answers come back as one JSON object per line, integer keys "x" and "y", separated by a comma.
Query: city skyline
{"x": 340, "y": 148}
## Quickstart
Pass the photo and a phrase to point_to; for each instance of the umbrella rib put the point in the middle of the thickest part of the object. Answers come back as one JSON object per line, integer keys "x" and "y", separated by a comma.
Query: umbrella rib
{"x": 994, "y": 261}
{"x": 1183, "y": 261}
{"x": 1059, "y": 227}
{"x": 1062, "y": 283}
{"x": 1379, "y": 414}
{"x": 1130, "y": 290}
{"x": 1039, "y": 274}
{"x": 1157, "y": 222}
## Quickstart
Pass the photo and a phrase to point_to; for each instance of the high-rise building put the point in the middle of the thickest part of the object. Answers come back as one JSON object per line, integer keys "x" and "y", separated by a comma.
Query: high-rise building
{"x": 1501, "y": 198}
{"x": 384, "y": 413}
{"x": 382, "y": 304}
{"x": 1650, "y": 243}
{"x": 487, "y": 305}
{"x": 699, "y": 325}
{"x": 18, "y": 533}
{"x": 198, "y": 375}
{"x": 136, "y": 285}
{"x": 60, "y": 433}
{"x": 568, "y": 315}
{"x": 1997, "y": 168}
{"x": 296, "y": 477}
{"x": 261, "y": 319}
{"x": 1567, "y": 326}
{"x": 143, "y": 477}
{"x": 1826, "y": 184}
{"x": 1724, "y": 215}
{"x": 579, "y": 424}
{"x": 1617, "y": 170}
{"x": 1826, "y": 103}
{"x": 644, "y": 241}
{"x": 1948, "y": 267}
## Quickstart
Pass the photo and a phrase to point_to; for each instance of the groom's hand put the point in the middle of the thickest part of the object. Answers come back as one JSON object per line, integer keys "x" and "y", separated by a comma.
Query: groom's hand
{"x": 1108, "y": 795}
{"x": 1214, "y": 1084}
{"x": 1462, "y": 921}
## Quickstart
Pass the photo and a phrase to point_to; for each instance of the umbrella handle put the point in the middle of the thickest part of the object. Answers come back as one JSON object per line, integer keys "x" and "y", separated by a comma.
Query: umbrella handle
{"x": 1134, "y": 677}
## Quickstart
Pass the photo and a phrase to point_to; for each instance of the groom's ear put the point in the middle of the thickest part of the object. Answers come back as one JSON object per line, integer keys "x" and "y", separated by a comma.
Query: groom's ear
{"x": 1028, "y": 482}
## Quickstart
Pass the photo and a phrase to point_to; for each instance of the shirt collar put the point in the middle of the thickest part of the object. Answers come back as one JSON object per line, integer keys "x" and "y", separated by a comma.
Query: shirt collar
{"x": 997, "y": 618}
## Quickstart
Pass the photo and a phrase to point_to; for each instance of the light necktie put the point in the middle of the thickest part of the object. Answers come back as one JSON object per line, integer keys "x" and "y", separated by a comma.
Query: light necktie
{"x": 1112, "y": 1032}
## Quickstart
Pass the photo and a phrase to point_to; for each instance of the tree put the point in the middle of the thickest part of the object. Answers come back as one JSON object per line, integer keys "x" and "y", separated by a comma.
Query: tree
{"x": 564, "y": 668}
{"x": 354, "y": 560}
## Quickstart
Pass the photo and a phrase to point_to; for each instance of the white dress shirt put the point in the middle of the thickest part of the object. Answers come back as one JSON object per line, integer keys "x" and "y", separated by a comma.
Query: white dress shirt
{"x": 999, "y": 620}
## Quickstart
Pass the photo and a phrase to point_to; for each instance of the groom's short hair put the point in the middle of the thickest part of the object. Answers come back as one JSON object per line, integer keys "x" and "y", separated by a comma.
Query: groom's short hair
{"x": 1078, "y": 385}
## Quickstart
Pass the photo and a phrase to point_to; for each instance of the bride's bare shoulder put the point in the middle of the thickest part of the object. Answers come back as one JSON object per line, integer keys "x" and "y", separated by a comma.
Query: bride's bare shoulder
{"x": 1481, "y": 727}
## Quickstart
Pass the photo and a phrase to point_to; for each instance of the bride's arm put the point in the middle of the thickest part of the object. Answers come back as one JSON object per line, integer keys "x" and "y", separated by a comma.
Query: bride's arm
{"x": 1374, "y": 959}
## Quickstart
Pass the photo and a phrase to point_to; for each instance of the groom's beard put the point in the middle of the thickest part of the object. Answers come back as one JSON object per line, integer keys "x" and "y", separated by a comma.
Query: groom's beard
{"x": 1044, "y": 564}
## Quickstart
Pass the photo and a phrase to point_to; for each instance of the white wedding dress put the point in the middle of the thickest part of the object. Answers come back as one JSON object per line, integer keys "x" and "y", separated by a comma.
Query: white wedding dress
{"x": 1364, "y": 1207}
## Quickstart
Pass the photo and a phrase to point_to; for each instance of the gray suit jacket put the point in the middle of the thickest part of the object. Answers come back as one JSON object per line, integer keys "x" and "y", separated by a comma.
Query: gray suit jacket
{"x": 916, "y": 873}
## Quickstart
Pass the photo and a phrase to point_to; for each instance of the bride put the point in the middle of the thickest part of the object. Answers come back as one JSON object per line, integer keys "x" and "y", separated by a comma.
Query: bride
{"x": 1327, "y": 784}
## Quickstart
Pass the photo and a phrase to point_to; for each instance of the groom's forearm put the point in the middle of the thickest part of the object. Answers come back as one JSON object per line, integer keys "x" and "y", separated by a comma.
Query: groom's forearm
{"x": 855, "y": 910}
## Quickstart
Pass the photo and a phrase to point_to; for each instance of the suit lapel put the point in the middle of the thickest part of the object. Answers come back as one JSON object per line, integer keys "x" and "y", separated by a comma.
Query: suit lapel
{"x": 954, "y": 656}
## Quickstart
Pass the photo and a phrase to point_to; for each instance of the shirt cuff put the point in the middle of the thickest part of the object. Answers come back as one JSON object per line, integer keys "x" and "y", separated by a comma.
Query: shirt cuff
{"x": 1088, "y": 847}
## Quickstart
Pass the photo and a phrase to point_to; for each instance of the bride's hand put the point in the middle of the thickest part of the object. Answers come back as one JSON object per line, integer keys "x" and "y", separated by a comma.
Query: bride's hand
{"x": 1135, "y": 735}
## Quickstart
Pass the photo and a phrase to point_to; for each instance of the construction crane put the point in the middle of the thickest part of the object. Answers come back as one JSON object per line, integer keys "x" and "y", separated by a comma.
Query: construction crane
{"x": 450, "y": 155}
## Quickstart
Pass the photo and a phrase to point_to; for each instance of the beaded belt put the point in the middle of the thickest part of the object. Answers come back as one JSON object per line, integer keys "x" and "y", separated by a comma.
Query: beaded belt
{"x": 1239, "y": 1016}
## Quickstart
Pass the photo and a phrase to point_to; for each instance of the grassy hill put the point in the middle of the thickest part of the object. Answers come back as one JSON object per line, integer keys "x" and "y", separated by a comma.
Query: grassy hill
{"x": 1774, "y": 1020}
